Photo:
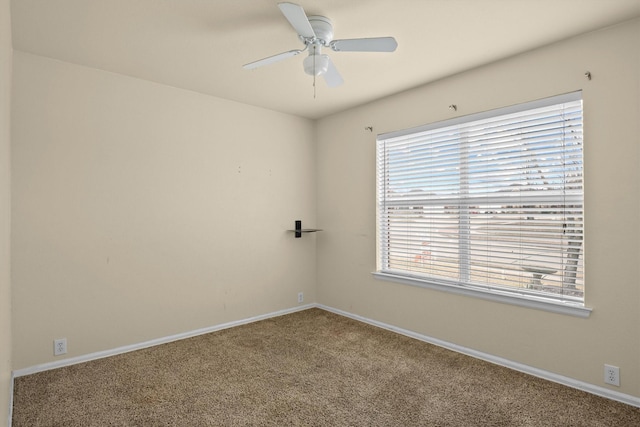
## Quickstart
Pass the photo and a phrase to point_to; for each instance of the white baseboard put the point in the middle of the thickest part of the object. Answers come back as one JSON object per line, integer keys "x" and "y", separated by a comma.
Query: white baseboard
{"x": 127, "y": 348}
{"x": 560, "y": 379}
{"x": 550, "y": 376}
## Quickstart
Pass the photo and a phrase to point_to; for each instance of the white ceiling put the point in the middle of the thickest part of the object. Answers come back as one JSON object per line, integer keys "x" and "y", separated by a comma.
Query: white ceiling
{"x": 201, "y": 45}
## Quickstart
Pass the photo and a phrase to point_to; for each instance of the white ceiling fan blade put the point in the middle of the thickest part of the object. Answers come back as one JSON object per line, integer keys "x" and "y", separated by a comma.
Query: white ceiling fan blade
{"x": 271, "y": 59}
{"x": 375, "y": 44}
{"x": 298, "y": 19}
{"x": 332, "y": 77}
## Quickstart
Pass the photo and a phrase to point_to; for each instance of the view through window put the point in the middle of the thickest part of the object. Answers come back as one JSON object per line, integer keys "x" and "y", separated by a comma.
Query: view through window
{"x": 491, "y": 201}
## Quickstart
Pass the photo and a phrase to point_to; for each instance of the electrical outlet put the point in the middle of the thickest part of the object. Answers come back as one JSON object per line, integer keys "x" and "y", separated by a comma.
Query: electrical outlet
{"x": 300, "y": 296}
{"x": 612, "y": 375}
{"x": 59, "y": 346}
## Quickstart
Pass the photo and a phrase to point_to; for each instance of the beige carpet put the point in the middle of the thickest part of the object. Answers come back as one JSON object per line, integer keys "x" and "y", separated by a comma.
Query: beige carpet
{"x": 311, "y": 368}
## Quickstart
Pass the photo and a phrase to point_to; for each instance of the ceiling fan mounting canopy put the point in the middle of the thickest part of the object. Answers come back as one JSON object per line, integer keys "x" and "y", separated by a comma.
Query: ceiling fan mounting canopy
{"x": 322, "y": 28}
{"x": 315, "y": 32}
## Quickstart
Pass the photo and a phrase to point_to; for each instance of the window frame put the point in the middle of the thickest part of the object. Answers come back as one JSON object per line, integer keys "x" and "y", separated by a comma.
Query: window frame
{"x": 517, "y": 296}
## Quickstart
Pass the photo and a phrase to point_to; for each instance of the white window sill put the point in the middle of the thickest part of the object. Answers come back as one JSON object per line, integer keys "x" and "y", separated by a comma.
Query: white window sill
{"x": 539, "y": 303}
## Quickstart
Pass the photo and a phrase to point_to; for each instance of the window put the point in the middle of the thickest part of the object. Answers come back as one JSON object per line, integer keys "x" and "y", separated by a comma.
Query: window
{"x": 491, "y": 202}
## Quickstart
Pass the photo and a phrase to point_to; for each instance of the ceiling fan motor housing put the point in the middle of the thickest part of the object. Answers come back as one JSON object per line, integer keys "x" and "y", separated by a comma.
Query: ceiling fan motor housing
{"x": 323, "y": 27}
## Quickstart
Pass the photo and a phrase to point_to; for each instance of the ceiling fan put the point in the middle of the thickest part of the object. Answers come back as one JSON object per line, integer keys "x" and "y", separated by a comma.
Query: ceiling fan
{"x": 316, "y": 32}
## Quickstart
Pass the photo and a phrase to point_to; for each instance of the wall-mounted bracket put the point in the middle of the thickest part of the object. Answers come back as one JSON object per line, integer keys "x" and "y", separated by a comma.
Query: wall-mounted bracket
{"x": 299, "y": 230}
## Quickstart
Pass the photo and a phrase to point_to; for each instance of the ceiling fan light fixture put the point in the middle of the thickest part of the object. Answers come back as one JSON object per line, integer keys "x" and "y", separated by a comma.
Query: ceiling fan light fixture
{"x": 316, "y": 65}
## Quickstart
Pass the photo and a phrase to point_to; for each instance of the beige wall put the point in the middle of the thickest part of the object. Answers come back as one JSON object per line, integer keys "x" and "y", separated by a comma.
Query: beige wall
{"x": 142, "y": 211}
{"x": 565, "y": 345}
{"x": 5, "y": 200}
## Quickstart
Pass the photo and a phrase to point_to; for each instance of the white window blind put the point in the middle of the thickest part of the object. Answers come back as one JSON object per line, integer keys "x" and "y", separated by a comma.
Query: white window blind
{"x": 491, "y": 201}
